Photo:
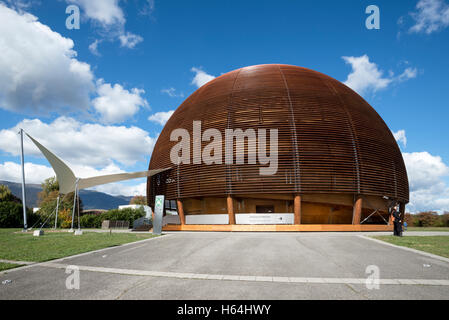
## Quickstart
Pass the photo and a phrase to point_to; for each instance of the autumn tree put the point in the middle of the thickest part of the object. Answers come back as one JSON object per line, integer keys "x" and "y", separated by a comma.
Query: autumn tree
{"x": 426, "y": 219}
{"x": 410, "y": 219}
{"x": 48, "y": 200}
{"x": 139, "y": 200}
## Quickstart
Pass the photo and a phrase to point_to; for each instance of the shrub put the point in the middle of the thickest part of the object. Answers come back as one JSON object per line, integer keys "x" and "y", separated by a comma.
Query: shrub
{"x": 128, "y": 214}
{"x": 65, "y": 218}
{"x": 91, "y": 221}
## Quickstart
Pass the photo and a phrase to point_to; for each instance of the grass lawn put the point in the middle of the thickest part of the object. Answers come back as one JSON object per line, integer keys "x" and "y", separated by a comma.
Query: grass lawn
{"x": 433, "y": 244}
{"x": 18, "y": 246}
{"x": 6, "y": 266}
{"x": 428, "y": 229}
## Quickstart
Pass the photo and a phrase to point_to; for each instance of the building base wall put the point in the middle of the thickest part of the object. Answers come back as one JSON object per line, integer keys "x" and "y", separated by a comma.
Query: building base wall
{"x": 279, "y": 228}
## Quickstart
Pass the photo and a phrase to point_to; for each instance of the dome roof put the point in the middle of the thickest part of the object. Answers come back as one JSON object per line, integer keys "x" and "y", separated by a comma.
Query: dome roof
{"x": 330, "y": 139}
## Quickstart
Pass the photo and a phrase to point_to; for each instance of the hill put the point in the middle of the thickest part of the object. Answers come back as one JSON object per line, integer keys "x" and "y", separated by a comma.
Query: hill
{"x": 91, "y": 199}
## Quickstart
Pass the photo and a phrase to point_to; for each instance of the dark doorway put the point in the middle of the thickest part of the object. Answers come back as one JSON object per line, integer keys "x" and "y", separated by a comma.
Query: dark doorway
{"x": 264, "y": 209}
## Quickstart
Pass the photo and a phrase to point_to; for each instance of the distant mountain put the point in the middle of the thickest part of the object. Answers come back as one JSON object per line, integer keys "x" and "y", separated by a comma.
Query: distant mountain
{"x": 91, "y": 199}
{"x": 31, "y": 191}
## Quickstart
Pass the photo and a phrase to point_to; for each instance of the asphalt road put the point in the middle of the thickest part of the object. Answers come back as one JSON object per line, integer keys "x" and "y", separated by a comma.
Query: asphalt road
{"x": 238, "y": 266}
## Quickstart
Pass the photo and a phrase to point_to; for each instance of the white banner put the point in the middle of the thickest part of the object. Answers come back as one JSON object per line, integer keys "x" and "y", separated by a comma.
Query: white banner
{"x": 207, "y": 219}
{"x": 264, "y": 218}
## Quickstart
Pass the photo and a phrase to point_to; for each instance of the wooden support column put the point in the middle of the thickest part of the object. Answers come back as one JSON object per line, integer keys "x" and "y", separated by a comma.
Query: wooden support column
{"x": 357, "y": 211}
{"x": 181, "y": 212}
{"x": 231, "y": 210}
{"x": 297, "y": 209}
{"x": 402, "y": 211}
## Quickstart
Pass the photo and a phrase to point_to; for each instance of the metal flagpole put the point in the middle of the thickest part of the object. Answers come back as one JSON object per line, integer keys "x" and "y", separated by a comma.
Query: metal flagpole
{"x": 74, "y": 203}
{"x": 57, "y": 210}
{"x": 78, "y": 207}
{"x": 25, "y": 226}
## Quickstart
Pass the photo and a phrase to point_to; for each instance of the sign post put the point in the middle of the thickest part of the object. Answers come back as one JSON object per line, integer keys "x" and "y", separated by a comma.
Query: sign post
{"x": 158, "y": 213}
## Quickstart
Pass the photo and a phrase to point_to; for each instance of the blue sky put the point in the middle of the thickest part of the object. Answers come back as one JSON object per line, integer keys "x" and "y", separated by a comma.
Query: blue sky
{"x": 151, "y": 55}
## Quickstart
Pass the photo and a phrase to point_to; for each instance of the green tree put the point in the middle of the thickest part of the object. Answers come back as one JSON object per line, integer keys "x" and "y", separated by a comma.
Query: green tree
{"x": 11, "y": 210}
{"x": 6, "y": 195}
{"x": 11, "y": 215}
{"x": 445, "y": 219}
{"x": 49, "y": 185}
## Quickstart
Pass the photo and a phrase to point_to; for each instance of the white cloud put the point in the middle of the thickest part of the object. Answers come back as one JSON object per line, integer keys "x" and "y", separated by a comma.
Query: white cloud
{"x": 147, "y": 8}
{"x": 408, "y": 73}
{"x": 19, "y": 5}
{"x": 129, "y": 40}
{"x": 93, "y": 47}
{"x": 400, "y": 137}
{"x": 110, "y": 17}
{"x": 367, "y": 77}
{"x": 37, "y": 173}
{"x": 116, "y": 189}
{"x": 92, "y": 145}
{"x": 425, "y": 170}
{"x": 39, "y": 69}
{"x": 87, "y": 171}
{"x": 116, "y": 104}
{"x": 41, "y": 75}
{"x": 172, "y": 93}
{"x": 201, "y": 77}
{"x": 106, "y": 12}
{"x": 34, "y": 173}
{"x": 161, "y": 117}
{"x": 428, "y": 190}
{"x": 430, "y": 16}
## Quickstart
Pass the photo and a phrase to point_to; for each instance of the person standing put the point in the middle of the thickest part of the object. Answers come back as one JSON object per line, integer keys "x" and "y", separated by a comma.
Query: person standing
{"x": 396, "y": 221}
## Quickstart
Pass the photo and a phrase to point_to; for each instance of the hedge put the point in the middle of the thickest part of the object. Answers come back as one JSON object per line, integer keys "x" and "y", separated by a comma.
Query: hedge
{"x": 128, "y": 214}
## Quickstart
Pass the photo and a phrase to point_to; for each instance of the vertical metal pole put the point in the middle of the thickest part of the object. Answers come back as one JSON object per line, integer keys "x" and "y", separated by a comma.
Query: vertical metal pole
{"x": 74, "y": 204}
{"x": 25, "y": 226}
{"x": 78, "y": 206}
{"x": 57, "y": 211}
